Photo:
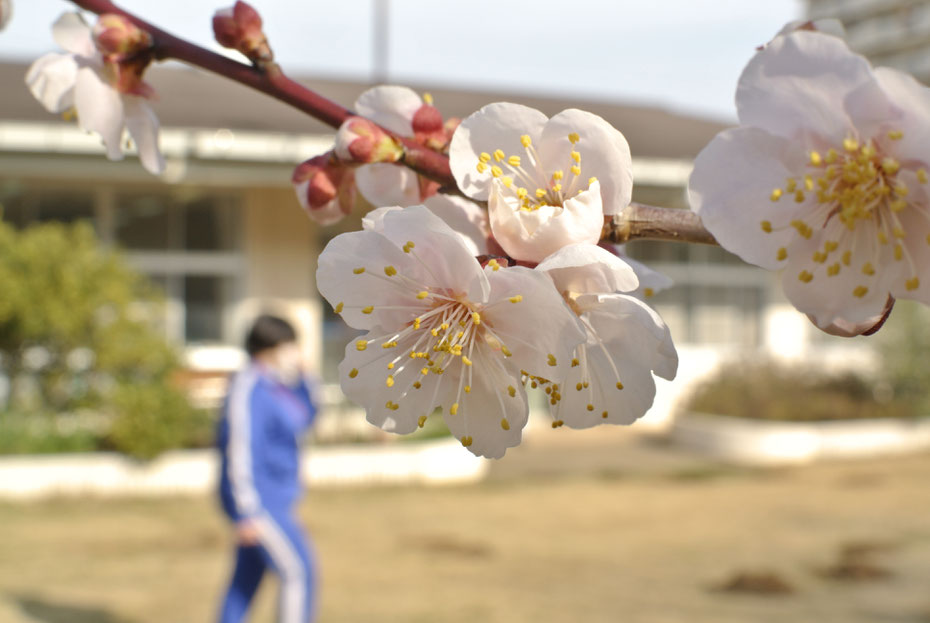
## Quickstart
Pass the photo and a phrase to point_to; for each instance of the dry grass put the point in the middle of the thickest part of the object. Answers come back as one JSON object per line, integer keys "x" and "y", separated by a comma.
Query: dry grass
{"x": 646, "y": 548}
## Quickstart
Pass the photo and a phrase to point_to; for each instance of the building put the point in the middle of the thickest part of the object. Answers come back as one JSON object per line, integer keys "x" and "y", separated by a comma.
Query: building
{"x": 892, "y": 33}
{"x": 223, "y": 235}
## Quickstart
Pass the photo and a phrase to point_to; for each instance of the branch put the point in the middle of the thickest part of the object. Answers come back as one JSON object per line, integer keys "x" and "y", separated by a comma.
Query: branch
{"x": 637, "y": 221}
{"x": 644, "y": 221}
{"x": 272, "y": 81}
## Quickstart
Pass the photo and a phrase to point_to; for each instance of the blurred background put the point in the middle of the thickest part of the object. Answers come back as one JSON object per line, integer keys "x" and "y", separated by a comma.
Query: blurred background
{"x": 781, "y": 477}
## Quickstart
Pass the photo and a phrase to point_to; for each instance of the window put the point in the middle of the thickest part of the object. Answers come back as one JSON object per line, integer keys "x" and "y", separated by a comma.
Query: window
{"x": 187, "y": 241}
{"x": 191, "y": 243}
{"x": 22, "y": 206}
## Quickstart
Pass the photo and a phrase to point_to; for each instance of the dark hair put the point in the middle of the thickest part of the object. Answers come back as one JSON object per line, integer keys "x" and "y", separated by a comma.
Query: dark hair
{"x": 268, "y": 332}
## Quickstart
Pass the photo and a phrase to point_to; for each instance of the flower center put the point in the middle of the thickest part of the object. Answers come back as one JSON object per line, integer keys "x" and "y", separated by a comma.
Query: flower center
{"x": 539, "y": 188}
{"x": 447, "y": 330}
{"x": 852, "y": 185}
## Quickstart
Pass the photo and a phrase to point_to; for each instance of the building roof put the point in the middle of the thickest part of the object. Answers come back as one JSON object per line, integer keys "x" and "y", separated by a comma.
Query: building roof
{"x": 194, "y": 99}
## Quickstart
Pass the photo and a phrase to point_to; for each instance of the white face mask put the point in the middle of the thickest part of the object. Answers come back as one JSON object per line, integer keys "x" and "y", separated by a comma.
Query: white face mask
{"x": 286, "y": 363}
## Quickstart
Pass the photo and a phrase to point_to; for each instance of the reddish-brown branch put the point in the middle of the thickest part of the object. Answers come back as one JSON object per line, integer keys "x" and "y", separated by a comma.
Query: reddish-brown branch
{"x": 272, "y": 81}
{"x": 638, "y": 221}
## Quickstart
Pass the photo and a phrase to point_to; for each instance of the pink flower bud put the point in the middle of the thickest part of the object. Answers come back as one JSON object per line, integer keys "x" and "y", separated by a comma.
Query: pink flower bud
{"x": 240, "y": 28}
{"x": 360, "y": 140}
{"x": 325, "y": 188}
{"x": 118, "y": 39}
{"x": 428, "y": 128}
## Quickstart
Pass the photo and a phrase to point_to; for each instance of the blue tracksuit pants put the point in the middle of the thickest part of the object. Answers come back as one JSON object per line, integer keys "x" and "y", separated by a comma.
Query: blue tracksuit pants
{"x": 285, "y": 551}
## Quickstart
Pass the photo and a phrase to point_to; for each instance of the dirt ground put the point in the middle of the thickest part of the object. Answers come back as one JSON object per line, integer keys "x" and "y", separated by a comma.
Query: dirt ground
{"x": 591, "y": 528}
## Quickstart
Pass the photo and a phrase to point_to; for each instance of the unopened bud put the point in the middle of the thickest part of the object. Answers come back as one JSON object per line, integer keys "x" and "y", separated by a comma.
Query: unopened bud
{"x": 428, "y": 127}
{"x": 119, "y": 39}
{"x": 240, "y": 28}
{"x": 360, "y": 140}
{"x": 6, "y": 11}
{"x": 325, "y": 188}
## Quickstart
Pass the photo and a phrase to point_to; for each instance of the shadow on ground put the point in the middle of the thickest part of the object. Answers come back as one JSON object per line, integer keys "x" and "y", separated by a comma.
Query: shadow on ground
{"x": 46, "y": 611}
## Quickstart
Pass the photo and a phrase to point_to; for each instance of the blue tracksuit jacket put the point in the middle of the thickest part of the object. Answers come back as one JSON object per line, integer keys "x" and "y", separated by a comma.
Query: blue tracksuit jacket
{"x": 258, "y": 438}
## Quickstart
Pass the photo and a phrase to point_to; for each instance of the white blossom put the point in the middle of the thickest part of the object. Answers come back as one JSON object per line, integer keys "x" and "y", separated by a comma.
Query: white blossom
{"x": 610, "y": 379}
{"x": 824, "y": 179}
{"x": 442, "y": 332}
{"x": 548, "y": 182}
{"x": 79, "y": 82}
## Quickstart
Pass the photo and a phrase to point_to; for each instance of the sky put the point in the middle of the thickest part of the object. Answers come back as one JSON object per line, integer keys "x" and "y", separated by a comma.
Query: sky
{"x": 684, "y": 55}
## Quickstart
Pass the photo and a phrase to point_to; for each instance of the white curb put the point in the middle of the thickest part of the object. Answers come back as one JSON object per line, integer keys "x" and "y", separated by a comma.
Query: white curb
{"x": 194, "y": 472}
{"x": 759, "y": 442}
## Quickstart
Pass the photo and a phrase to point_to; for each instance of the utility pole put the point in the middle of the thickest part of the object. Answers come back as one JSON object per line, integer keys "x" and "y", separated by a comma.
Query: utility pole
{"x": 380, "y": 42}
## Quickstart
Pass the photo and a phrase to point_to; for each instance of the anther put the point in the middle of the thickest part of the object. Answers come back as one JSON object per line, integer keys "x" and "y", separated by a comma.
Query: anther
{"x": 368, "y": 310}
{"x": 353, "y": 373}
{"x": 358, "y": 271}
{"x": 505, "y": 424}
{"x": 361, "y": 345}
{"x": 551, "y": 359}
{"x": 390, "y": 271}
{"x": 860, "y": 291}
{"x": 338, "y": 308}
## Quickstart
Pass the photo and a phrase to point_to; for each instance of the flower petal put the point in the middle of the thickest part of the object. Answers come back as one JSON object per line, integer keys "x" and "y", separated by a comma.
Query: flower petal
{"x": 529, "y": 316}
{"x": 383, "y": 184}
{"x": 834, "y": 299}
{"x": 51, "y": 81}
{"x": 495, "y": 126}
{"x": 894, "y": 101}
{"x": 731, "y": 185}
{"x": 374, "y": 220}
{"x": 605, "y": 154}
{"x": 587, "y": 268}
{"x": 465, "y": 217}
{"x": 99, "y": 109}
{"x": 798, "y": 83}
{"x": 351, "y": 290}
{"x": 651, "y": 282}
{"x": 535, "y": 234}
{"x": 442, "y": 260}
{"x": 483, "y": 411}
{"x": 398, "y": 406}
{"x": 74, "y": 35}
{"x": 391, "y": 107}
{"x": 626, "y": 342}
{"x": 143, "y": 128}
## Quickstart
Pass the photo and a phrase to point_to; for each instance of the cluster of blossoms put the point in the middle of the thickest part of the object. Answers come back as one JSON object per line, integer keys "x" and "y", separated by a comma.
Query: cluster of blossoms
{"x": 99, "y": 81}
{"x": 455, "y": 331}
{"x": 824, "y": 179}
{"x": 366, "y": 148}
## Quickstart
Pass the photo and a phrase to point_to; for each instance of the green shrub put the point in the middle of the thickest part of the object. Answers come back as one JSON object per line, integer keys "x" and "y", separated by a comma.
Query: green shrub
{"x": 766, "y": 390}
{"x": 79, "y": 332}
{"x": 43, "y": 434}
{"x": 149, "y": 419}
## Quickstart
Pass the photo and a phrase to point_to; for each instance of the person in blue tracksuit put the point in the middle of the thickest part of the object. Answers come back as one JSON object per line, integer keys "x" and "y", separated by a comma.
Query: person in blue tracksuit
{"x": 268, "y": 407}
